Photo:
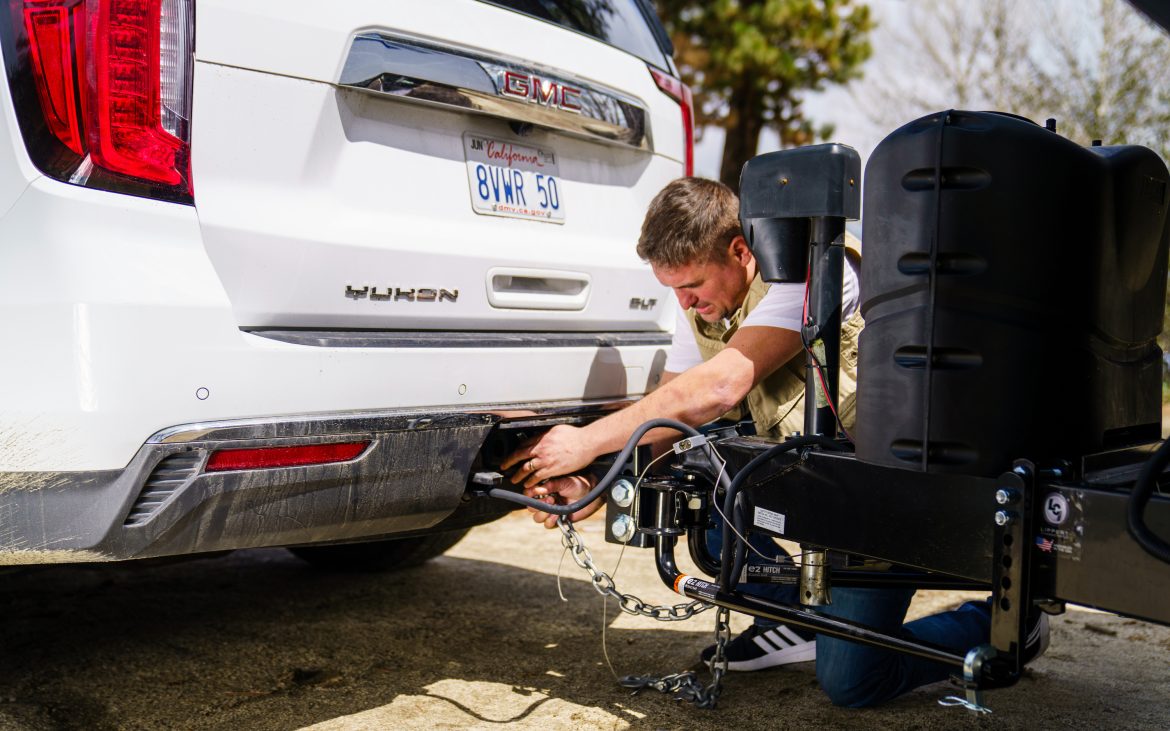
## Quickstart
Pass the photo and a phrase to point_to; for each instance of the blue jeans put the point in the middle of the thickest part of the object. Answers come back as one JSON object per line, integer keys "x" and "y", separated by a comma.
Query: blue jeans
{"x": 857, "y": 675}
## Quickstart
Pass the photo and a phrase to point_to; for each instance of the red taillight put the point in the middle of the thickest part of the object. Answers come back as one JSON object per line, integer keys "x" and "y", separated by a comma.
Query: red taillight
{"x": 268, "y": 457}
{"x": 125, "y": 92}
{"x": 56, "y": 35}
{"x": 681, "y": 93}
{"x": 113, "y": 81}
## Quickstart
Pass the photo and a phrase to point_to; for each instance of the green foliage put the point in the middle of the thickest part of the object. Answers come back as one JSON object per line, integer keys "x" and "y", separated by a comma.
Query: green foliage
{"x": 750, "y": 61}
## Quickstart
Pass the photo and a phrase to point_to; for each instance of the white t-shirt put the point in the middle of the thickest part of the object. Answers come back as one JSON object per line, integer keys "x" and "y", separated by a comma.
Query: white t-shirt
{"x": 781, "y": 307}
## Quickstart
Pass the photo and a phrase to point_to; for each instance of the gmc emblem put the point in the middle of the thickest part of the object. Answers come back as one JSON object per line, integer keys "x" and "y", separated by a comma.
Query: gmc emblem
{"x": 545, "y": 92}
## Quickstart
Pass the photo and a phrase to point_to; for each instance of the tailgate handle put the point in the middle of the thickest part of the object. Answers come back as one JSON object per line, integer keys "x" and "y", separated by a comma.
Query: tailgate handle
{"x": 537, "y": 289}
{"x": 405, "y": 68}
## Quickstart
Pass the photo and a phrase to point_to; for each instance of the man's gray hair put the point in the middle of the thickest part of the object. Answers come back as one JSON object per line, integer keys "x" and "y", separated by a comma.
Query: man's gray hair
{"x": 690, "y": 221}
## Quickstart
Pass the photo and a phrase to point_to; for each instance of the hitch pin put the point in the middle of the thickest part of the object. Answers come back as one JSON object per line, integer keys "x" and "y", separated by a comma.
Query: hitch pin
{"x": 972, "y": 671}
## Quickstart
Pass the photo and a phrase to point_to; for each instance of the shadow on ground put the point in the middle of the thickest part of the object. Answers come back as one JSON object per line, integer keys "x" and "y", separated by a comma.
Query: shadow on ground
{"x": 258, "y": 640}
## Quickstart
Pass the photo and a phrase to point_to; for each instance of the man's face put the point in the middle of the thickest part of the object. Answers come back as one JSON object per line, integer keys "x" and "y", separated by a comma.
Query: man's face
{"x": 714, "y": 288}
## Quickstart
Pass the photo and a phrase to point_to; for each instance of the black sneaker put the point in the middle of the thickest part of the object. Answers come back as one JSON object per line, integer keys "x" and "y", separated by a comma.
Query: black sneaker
{"x": 1037, "y": 640}
{"x": 757, "y": 648}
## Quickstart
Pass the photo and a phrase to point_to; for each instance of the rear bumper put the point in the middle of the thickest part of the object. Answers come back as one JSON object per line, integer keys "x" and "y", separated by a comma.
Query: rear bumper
{"x": 413, "y": 477}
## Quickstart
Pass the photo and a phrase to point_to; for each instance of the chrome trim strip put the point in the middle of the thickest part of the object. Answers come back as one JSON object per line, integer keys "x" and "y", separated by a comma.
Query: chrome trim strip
{"x": 341, "y": 424}
{"x": 445, "y": 76}
{"x": 451, "y": 339}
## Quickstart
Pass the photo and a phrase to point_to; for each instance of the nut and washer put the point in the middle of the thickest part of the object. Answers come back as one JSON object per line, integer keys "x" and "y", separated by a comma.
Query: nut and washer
{"x": 623, "y": 528}
{"x": 1007, "y": 496}
{"x": 622, "y": 493}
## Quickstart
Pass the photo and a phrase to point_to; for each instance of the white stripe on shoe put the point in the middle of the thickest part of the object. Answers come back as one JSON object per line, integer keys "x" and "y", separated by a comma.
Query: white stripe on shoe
{"x": 778, "y": 650}
{"x": 765, "y": 642}
{"x": 791, "y": 636}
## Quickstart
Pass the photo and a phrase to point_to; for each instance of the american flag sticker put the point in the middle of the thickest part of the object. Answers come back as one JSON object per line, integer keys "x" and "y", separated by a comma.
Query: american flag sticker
{"x": 1044, "y": 544}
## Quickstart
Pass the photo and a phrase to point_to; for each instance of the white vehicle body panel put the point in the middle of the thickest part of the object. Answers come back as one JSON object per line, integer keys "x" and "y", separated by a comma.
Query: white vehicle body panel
{"x": 371, "y": 192}
{"x": 126, "y": 317}
{"x": 353, "y": 190}
{"x": 16, "y": 170}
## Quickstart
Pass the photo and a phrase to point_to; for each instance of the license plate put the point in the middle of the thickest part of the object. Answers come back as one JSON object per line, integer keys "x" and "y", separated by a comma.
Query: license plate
{"x": 513, "y": 180}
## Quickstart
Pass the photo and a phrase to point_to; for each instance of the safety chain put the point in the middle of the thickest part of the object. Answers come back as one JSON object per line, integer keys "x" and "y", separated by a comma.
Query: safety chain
{"x": 604, "y": 584}
{"x": 683, "y": 686}
{"x": 686, "y": 686}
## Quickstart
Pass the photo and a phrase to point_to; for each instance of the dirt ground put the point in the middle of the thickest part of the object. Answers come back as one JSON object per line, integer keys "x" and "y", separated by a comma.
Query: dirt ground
{"x": 475, "y": 639}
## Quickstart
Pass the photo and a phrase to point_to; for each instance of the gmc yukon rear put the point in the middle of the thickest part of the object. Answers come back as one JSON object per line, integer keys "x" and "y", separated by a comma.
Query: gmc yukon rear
{"x": 274, "y": 274}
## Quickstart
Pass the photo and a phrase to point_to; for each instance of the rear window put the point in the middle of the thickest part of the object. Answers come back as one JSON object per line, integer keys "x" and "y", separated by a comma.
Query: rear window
{"x": 626, "y": 24}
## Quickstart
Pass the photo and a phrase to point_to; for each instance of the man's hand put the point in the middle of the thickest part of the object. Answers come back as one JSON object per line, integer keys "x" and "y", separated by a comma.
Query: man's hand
{"x": 562, "y": 491}
{"x": 561, "y": 450}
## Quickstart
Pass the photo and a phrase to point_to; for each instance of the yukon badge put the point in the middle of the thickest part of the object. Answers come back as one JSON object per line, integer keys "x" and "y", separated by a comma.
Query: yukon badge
{"x": 396, "y": 294}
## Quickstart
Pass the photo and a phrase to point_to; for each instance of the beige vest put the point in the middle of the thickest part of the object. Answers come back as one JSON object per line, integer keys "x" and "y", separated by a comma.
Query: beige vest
{"x": 776, "y": 404}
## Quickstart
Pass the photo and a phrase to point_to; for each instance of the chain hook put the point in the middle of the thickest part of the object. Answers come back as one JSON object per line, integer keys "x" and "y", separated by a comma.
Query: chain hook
{"x": 683, "y": 686}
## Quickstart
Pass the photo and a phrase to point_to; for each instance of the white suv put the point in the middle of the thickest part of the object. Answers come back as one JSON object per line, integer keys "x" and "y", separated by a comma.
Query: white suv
{"x": 282, "y": 273}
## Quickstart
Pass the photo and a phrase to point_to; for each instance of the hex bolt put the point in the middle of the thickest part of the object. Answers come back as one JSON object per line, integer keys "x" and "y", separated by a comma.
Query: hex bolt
{"x": 623, "y": 528}
{"x": 622, "y": 493}
{"x": 1004, "y": 518}
{"x": 1007, "y": 496}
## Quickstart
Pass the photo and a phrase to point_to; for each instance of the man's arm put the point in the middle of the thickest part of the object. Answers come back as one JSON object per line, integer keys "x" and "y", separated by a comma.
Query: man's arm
{"x": 694, "y": 397}
{"x": 571, "y": 488}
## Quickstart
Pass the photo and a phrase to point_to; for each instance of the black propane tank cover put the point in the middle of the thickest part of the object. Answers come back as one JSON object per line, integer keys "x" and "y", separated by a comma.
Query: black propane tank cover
{"x": 780, "y": 191}
{"x": 1013, "y": 290}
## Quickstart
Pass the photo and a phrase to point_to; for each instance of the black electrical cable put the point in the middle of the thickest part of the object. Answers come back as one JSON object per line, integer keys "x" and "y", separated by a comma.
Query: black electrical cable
{"x": 820, "y": 370}
{"x": 1143, "y": 489}
{"x": 613, "y": 472}
{"x": 733, "y": 568}
{"x": 740, "y": 549}
{"x": 806, "y": 323}
{"x": 731, "y": 487}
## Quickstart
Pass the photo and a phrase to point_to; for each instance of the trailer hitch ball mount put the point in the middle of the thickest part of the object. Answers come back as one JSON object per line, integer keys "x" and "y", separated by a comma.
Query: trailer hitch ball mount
{"x": 659, "y": 505}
